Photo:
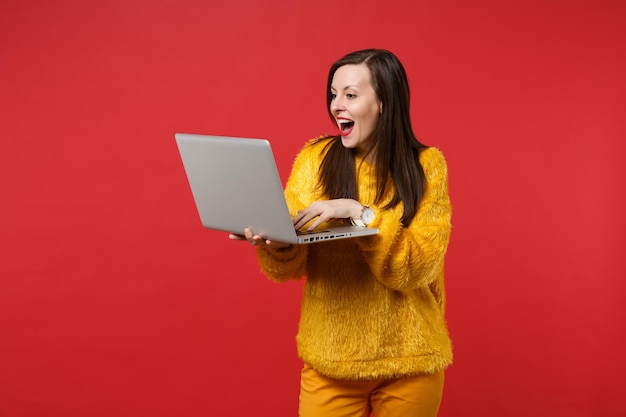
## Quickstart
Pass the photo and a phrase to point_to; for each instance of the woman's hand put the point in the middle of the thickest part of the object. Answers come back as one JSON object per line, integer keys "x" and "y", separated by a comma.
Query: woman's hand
{"x": 324, "y": 210}
{"x": 257, "y": 240}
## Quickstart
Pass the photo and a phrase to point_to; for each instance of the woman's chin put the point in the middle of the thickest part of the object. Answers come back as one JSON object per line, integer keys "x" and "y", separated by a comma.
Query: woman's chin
{"x": 347, "y": 142}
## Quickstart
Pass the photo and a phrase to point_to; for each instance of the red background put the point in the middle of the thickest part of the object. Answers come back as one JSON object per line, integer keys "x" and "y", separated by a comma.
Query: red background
{"x": 114, "y": 300}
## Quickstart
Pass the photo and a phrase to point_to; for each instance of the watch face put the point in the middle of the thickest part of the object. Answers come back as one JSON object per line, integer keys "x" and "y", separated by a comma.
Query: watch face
{"x": 368, "y": 215}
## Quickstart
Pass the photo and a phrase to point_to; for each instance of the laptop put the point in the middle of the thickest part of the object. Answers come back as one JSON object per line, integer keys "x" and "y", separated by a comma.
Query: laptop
{"x": 235, "y": 184}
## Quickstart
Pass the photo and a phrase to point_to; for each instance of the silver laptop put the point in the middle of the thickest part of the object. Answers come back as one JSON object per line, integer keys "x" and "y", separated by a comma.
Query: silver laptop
{"x": 235, "y": 184}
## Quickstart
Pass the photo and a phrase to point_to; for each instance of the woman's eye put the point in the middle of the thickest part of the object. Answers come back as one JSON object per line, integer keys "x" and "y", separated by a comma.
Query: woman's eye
{"x": 333, "y": 96}
{"x": 349, "y": 95}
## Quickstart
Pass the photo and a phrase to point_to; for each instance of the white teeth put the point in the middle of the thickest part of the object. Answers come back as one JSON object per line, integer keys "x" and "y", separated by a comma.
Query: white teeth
{"x": 345, "y": 124}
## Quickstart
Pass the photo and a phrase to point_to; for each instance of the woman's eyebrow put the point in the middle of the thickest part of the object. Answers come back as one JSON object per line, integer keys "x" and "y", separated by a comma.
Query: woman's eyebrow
{"x": 346, "y": 87}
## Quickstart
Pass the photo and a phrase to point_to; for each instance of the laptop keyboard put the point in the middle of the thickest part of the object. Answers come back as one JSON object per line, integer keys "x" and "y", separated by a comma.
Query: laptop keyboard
{"x": 305, "y": 231}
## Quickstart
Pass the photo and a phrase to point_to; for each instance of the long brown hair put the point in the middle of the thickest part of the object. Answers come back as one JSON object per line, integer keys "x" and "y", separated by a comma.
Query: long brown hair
{"x": 397, "y": 149}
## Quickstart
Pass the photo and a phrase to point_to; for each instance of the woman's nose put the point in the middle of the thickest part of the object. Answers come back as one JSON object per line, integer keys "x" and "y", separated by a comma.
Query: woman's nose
{"x": 336, "y": 105}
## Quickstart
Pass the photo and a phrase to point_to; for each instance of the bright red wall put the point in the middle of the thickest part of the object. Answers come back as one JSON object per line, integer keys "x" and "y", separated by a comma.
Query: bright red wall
{"x": 113, "y": 299}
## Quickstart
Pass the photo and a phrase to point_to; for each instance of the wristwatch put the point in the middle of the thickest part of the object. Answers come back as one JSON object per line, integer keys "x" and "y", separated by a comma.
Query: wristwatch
{"x": 367, "y": 217}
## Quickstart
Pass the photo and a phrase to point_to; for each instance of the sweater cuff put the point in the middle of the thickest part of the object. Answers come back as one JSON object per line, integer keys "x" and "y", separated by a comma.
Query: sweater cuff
{"x": 280, "y": 254}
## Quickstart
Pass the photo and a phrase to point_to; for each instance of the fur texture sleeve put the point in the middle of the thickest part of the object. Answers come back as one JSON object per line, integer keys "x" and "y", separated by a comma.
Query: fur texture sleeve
{"x": 406, "y": 258}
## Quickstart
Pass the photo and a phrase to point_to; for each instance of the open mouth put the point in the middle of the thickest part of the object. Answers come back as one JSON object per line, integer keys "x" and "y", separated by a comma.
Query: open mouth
{"x": 345, "y": 126}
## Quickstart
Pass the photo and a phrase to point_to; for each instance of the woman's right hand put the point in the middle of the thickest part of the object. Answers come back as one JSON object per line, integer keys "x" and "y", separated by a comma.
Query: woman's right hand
{"x": 257, "y": 240}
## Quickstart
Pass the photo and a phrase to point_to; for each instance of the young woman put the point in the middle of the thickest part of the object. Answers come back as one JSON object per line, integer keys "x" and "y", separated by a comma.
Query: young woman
{"x": 372, "y": 332}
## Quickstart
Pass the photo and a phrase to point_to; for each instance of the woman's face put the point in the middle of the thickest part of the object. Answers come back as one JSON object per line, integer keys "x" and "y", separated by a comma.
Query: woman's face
{"x": 354, "y": 105}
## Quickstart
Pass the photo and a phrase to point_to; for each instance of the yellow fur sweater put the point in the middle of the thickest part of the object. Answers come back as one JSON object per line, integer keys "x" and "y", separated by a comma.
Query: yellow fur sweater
{"x": 373, "y": 307}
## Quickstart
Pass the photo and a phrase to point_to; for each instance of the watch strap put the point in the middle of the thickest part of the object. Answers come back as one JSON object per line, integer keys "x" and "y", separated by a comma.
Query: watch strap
{"x": 360, "y": 222}
{"x": 357, "y": 222}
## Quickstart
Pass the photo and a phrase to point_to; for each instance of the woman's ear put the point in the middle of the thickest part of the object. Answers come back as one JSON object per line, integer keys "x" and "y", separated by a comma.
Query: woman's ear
{"x": 380, "y": 107}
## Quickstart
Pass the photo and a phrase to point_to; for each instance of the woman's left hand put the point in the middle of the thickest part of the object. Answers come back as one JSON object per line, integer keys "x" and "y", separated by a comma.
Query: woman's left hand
{"x": 324, "y": 210}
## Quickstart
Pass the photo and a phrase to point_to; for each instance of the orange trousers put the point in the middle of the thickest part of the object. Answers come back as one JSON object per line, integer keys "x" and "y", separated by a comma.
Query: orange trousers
{"x": 416, "y": 396}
